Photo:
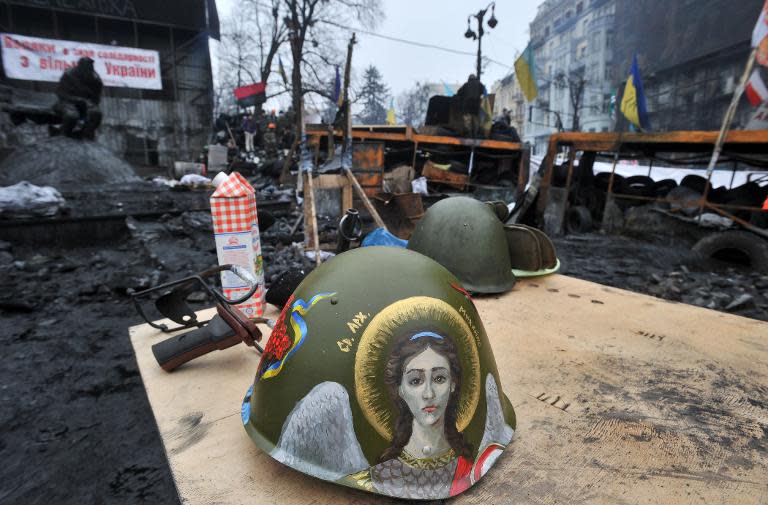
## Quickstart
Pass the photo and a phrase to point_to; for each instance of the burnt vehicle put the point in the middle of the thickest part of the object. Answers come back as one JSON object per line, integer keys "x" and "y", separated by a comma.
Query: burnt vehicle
{"x": 608, "y": 181}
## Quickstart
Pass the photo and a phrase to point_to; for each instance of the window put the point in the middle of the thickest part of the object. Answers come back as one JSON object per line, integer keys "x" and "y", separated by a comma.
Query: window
{"x": 581, "y": 51}
{"x": 729, "y": 84}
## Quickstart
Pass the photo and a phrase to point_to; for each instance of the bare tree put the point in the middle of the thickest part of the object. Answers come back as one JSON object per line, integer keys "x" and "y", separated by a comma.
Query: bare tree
{"x": 313, "y": 27}
{"x": 574, "y": 82}
{"x": 413, "y": 105}
{"x": 251, "y": 39}
{"x": 271, "y": 33}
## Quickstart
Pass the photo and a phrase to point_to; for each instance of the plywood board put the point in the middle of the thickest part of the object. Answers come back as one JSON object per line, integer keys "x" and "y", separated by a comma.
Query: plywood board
{"x": 620, "y": 398}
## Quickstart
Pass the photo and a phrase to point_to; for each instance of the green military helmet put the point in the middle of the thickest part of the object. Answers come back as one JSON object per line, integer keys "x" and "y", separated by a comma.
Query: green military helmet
{"x": 466, "y": 237}
{"x": 379, "y": 376}
{"x": 531, "y": 252}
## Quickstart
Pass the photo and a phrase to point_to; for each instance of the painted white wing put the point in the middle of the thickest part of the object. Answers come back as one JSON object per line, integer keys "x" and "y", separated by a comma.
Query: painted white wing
{"x": 318, "y": 437}
{"x": 496, "y": 428}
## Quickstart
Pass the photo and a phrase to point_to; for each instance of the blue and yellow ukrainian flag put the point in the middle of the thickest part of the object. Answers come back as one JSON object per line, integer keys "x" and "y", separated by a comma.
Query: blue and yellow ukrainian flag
{"x": 633, "y": 102}
{"x": 526, "y": 74}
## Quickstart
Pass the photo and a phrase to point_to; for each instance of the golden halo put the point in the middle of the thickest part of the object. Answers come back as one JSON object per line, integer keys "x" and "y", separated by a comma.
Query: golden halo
{"x": 375, "y": 345}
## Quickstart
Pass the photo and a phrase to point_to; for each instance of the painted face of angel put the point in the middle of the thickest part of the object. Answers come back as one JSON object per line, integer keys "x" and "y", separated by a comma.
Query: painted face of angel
{"x": 426, "y": 386}
{"x": 423, "y": 377}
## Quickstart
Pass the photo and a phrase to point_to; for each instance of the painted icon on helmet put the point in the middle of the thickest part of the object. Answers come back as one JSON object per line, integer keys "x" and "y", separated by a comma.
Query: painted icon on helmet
{"x": 418, "y": 386}
{"x": 379, "y": 376}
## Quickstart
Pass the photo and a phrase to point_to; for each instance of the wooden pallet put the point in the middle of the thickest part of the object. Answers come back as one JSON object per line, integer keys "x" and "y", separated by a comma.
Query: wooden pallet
{"x": 620, "y": 398}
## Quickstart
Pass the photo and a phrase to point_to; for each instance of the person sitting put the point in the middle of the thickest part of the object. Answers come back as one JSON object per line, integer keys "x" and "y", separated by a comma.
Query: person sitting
{"x": 79, "y": 94}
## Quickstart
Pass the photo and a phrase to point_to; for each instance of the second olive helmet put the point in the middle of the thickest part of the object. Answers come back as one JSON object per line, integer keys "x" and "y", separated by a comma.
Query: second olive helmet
{"x": 466, "y": 237}
{"x": 379, "y": 376}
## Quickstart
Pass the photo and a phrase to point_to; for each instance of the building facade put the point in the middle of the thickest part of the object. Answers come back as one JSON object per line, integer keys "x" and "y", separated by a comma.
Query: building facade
{"x": 146, "y": 126}
{"x": 691, "y": 57}
{"x": 572, "y": 41}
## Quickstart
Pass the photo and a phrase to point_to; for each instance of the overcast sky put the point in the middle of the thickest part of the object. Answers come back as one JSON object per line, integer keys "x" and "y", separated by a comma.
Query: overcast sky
{"x": 439, "y": 23}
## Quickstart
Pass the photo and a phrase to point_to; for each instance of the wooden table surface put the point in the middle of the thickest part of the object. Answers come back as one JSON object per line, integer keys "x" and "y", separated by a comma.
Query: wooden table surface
{"x": 620, "y": 398}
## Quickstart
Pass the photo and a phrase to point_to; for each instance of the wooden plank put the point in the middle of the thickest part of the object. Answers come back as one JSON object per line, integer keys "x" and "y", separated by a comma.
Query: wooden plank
{"x": 346, "y": 196}
{"x": 620, "y": 398}
{"x": 311, "y": 238}
{"x": 370, "y": 179}
{"x": 430, "y": 139}
{"x": 365, "y": 135}
{"x": 460, "y": 141}
{"x": 608, "y": 141}
{"x": 336, "y": 181}
{"x": 434, "y": 174}
{"x": 330, "y": 181}
{"x": 313, "y": 217}
{"x": 364, "y": 198}
{"x": 308, "y": 223}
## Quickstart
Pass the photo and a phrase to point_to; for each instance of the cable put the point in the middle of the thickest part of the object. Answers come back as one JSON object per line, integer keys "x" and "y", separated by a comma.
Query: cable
{"x": 404, "y": 41}
{"x": 410, "y": 42}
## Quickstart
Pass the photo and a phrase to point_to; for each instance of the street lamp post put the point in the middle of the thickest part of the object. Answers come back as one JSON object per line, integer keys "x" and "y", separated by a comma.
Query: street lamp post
{"x": 492, "y": 22}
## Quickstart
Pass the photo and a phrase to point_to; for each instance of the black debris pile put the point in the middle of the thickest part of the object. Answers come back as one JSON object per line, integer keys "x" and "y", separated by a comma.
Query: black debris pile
{"x": 664, "y": 270}
{"x": 65, "y": 163}
{"x": 71, "y": 391}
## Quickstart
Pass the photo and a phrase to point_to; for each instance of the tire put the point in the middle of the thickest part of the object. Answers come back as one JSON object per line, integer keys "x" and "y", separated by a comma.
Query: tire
{"x": 759, "y": 219}
{"x": 735, "y": 244}
{"x": 742, "y": 213}
{"x": 639, "y": 185}
{"x": 695, "y": 182}
{"x": 602, "y": 180}
{"x": 559, "y": 175}
{"x": 578, "y": 220}
{"x": 717, "y": 195}
{"x": 663, "y": 187}
{"x": 684, "y": 194}
{"x": 747, "y": 194}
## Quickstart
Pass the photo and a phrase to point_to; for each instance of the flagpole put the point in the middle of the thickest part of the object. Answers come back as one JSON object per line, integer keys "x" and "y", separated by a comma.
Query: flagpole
{"x": 726, "y": 125}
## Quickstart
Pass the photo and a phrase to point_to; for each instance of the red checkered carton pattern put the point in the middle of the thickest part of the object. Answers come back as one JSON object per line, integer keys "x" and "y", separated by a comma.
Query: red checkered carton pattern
{"x": 236, "y": 230}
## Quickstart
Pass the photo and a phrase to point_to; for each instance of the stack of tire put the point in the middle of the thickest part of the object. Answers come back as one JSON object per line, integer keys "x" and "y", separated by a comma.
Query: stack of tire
{"x": 683, "y": 196}
{"x": 636, "y": 185}
{"x": 585, "y": 202}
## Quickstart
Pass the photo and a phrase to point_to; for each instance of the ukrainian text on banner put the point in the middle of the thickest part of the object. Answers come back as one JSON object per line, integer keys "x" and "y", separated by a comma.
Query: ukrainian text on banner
{"x": 36, "y": 59}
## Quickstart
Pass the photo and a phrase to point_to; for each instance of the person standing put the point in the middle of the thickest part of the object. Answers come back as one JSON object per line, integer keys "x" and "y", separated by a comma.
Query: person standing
{"x": 249, "y": 130}
{"x": 470, "y": 95}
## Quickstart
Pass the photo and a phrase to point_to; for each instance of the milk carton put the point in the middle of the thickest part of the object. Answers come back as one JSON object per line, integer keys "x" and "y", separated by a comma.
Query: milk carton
{"x": 236, "y": 229}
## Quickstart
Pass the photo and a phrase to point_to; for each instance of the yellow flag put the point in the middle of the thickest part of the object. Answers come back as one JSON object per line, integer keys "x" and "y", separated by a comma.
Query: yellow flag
{"x": 391, "y": 114}
{"x": 633, "y": 104}
{"x": 629, "y": 103}
{"x": 526, "y": 74}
